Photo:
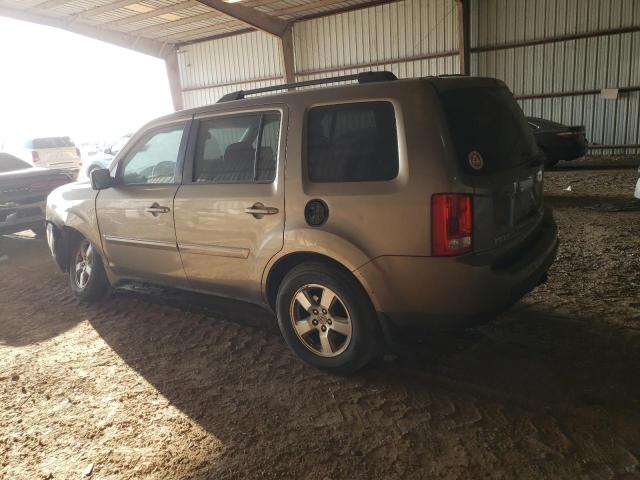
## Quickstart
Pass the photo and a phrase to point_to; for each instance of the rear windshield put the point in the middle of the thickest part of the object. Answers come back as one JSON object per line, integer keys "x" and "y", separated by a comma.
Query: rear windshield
{"x": 9, "y": 163}
{"x": 488, "y": 129}
{"x": 52, "y": 142}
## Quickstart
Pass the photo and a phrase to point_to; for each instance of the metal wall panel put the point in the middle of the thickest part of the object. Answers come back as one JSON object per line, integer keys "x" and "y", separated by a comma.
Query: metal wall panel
{"x": 577, "y": 65}
{"x": 395, "y": 37}
{"x": 208, "y": 68}
{"x": 419, "y": 37}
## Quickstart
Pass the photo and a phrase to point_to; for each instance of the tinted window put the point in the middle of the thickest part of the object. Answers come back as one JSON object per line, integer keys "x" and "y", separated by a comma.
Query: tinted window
{"x": 53, "y": 142}
{"x": 154, "y": 158}
{"x": 226, "y": 149}
{"x": 355, "y": 142}
{"x": 9, "y": 163}
{"x": 489, "y": 121}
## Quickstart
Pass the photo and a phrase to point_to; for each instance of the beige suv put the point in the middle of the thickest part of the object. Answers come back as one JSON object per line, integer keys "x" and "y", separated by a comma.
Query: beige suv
{"x": 347, "y": 209}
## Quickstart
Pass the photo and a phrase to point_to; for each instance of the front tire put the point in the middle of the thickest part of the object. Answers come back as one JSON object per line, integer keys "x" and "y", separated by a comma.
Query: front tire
{"x": 327, "y": 319}
{"x": 87, "y": 277}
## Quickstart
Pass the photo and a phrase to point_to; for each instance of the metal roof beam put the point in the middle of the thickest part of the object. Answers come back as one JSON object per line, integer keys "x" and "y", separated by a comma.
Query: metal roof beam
{"x": 209, "y": 15}
{"x": 142, "y": 45}
{"x": 251, "y": 16}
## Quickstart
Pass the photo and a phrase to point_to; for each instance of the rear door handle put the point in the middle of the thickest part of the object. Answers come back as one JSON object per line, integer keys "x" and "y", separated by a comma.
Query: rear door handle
{"x": 258, "y": 210}
{"x": 156, "y": 209}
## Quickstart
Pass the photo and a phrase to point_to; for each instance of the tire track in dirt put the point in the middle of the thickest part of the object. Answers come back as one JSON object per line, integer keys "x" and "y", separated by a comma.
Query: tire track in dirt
{"x": 165, "y": 385}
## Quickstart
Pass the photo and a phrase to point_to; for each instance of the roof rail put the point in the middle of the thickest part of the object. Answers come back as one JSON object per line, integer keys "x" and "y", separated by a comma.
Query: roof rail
{"x": 363, "y": 77}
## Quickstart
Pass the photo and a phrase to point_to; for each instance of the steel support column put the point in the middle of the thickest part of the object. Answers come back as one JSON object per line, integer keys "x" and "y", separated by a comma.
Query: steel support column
{"x": 173, "y": 74}
{"x": 464, "y": 35}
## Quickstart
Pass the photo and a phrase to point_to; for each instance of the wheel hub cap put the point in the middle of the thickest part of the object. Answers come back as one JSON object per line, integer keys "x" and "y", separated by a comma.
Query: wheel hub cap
{"x": 321, "y": 320}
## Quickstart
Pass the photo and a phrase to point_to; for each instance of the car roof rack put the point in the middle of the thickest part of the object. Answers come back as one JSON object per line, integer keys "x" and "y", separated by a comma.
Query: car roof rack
{"x": 363, "y": 77}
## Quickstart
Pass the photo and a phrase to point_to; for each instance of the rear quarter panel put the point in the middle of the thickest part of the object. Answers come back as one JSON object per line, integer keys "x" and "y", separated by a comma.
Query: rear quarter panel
{"x": 375, "y": 218}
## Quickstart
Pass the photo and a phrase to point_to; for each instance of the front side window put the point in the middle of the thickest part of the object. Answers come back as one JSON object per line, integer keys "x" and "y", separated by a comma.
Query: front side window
{"x": 155, "y": 158}
{"x": 226, "y": 150}
{"x": 354, "y": 142}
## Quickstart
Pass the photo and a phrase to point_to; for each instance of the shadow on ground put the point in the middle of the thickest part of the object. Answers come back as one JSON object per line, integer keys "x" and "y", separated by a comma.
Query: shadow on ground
{"x": 27, "y": 271}
{"x": 549, "y": 389}
{"x": 534, "y": 368}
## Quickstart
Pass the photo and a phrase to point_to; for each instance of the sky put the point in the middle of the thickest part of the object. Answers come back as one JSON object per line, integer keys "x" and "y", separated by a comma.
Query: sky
{"x": 57, "y": 83}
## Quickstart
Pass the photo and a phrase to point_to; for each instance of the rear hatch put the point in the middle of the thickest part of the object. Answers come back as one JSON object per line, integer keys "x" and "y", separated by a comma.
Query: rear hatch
{"x": 498, "y": 156}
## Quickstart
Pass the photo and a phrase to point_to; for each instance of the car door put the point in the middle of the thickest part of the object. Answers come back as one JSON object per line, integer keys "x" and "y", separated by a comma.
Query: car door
{"x": 135, "y": 215}
{"x": 229, "y": 210}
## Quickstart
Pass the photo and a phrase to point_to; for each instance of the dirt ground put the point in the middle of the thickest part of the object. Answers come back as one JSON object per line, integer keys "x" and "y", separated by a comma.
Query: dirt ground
{"x": 152, "y": 384}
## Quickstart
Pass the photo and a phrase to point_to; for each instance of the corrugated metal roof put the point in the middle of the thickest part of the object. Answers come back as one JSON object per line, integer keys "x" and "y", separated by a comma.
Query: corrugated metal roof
{"x": 172, "y": 21}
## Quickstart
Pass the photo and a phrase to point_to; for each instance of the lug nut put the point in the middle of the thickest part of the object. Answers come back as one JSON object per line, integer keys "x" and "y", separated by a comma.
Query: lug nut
{"x": 315, "y": 312}
{"x": 323, "y": 328}
{"x": 324, "y": 311}
{"x": 329, "y": 321}
{"x": 314, "y": 322}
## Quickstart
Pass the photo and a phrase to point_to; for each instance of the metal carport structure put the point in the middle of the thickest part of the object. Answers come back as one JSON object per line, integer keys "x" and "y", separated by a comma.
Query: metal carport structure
{"x": 557, "y": 56}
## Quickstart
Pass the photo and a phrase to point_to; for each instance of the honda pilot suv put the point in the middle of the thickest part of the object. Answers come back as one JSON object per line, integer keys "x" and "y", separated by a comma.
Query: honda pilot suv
{"x": 348, "y": 210}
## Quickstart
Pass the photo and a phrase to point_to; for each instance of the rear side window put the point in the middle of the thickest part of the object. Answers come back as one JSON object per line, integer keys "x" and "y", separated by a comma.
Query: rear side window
{"x": 488, "y": 121}
{"x": 354, "y": 142}
{"x": 227, "y": 149}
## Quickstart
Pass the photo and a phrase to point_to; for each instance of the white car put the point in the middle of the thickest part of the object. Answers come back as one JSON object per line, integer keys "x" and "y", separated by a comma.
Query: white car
{"x": 102, "y": 159}
{"x": 51, "y": 152}
{"x": 637, "y": 192}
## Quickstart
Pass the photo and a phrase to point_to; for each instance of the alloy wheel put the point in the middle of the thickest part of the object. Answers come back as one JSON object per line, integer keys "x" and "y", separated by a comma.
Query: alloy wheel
{"x": 321, "y": 320}
{"x": 83, "y": 264}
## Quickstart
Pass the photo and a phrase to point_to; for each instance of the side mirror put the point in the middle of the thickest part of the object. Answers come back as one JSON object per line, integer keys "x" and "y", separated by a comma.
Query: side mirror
{"x": 100, "y": 179}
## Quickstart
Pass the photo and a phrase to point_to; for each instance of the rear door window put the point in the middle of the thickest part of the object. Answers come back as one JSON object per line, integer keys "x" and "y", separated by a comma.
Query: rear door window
{"x": 489, "y": 122}
{"x": 354, "y": 142}
{"x": 227, "y": 149}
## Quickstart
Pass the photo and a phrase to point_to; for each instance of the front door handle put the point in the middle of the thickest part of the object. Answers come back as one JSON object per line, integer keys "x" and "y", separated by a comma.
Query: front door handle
{"x": 258, "y": 210}
{"x": 156, "y": 209}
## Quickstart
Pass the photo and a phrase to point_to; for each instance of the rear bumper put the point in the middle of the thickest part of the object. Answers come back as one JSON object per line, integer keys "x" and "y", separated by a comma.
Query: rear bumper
{"x": 17, "y": 217}
{"x": 451, "y": 292}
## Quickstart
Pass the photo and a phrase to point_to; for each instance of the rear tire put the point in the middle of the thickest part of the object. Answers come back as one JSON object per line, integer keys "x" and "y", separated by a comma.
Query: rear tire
{"x": 87, "y": 277}
{"x": 327, "y": 319}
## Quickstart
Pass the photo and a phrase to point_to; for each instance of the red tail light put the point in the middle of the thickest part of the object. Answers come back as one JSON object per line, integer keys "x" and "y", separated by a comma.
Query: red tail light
{"x": 35, "y": 156}
{"x": 451, "y": 224}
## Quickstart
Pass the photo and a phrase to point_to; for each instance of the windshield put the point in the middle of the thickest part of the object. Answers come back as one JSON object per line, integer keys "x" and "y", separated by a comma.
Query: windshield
{"x": 488, "y": 128}
{"x": 9, "y": 163}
